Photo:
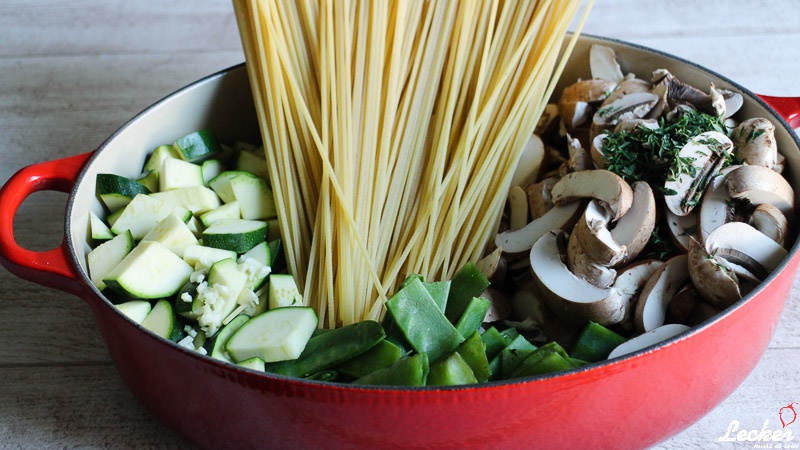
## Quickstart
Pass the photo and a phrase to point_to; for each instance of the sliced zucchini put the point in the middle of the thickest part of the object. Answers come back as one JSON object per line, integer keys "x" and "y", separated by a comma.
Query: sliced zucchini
{"x": 283, "y": 291}
{"x": 149, "y": 180}
{"x": 200, "y": 256}
{"x": 211, "y": 168}
{"x": 151, "y": 271}
{"x": 173, "y": 233}
{"x": 236, "y": 235}
{"x": 254, "y": 196}
{"x": 98, "y": 229}
{"x": 156, "y": 159}
{"x": 218, "y": 342}
{"x": 226, "y": 211}
{"x": 255, "y": 263}
{"x": 137, "y": 310}
{"x": 222, "y": 186}
{"x": 276, "y": 335}
{"x": 116, "y": 191}
{"x": 177, "y": 173}
{"x": 162, "y": 321}
{"x": 142, "y": 214}
{"x": 195, "y": 226}
{"x": 255, "y": 363}
{"x": 106, "y": 256}
{"x": 252, "y": 161}
{"x": 198, "y": 146}
{"x": 197, "y": 199}
{"x": 187, "y": 303}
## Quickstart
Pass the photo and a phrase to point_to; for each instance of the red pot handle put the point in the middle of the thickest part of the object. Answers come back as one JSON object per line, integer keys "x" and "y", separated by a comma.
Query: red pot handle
{"x": 788, "y": 107}
{"x": 51, "y": 268}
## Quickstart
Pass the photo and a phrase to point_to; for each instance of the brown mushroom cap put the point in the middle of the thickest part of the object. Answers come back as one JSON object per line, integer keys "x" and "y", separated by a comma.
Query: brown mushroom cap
{"x": 610, "y": 189}
{"x": 711, "y": 277}
{"x": 754, "y": 142}
{"x": 575, "y": 105}
{"x": 758, "y": 184}
{"x": 742, "y": 244}
{"x": 633, "y": 230}
{"x": 769, "y": 220}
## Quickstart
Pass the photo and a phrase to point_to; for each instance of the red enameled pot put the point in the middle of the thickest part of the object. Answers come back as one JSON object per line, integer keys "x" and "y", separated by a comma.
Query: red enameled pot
{"x": 629, "y": 402}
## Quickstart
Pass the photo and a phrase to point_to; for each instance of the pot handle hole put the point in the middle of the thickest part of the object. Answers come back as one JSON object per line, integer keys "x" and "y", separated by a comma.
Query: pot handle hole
{"x": 787, "y": 107}
{"x": 51, "y": 268}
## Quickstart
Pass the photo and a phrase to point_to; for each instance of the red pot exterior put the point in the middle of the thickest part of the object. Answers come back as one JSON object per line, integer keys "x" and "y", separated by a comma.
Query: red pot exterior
{"x": 630, "y": 402}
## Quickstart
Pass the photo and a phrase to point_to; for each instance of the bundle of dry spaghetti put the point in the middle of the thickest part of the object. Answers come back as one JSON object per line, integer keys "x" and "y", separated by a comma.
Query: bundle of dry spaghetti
{"x": 392, "y": 129}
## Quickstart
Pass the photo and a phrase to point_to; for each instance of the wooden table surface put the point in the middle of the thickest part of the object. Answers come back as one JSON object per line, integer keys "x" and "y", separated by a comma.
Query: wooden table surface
{"x": 72, "y": 71}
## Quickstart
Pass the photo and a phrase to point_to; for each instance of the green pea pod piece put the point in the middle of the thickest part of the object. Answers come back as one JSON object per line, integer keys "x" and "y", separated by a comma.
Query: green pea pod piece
{"x": 467, "y": 283}
{"x": 439, "y": 291}
{"x": 381, "y": 356}
{"x": 540, "y": 362}
{"x": 509, "y": 334}
{"x": 494, "y": 342}
{"x": 517, "y": 344}
{"x": 425, "y": 328}
{"x": 595, "y": 343}
{"x": 474, "y": 353}
{"x": 451, "y": 371}
{"x": 328, "y": 349}
{"x": 411, "y": 371}
{"x": 473, "y": 316}
{"x": 324, "y": 375}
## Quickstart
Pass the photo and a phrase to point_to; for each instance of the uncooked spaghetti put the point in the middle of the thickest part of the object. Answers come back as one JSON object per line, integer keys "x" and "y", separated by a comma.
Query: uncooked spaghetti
{"x": 392, "y": 129}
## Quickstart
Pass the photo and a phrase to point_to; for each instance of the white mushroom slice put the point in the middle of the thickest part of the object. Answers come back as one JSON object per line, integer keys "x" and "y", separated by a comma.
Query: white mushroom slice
{"x": 758, "y": 185}
{"x": 769, "y": 220}
{"x": 733, "y": 102}
{"x": 717, "y": 102}
{"x": 547, "y": 120}
{"x": 648, "y": 339}
{"x": 682, "y": 228}
{"x": 579, "y": 158}
{"x": 499, "y": 307}
{"x": 660, "y": 91}
{"x": 633, "y": 230}
{"x": 651, "y": 308}
{"x": 530, "y": 162}
{"x": 603, "y": 64}
{"x": 584, "y": 266}
{"x": 610, "y": 189}
{"x": 596, "y": 151}
{"x": 571, "y": 298}
{"x": 742, "y": 244}
{"x": 754, "y": 142}
{"x": 716, "y": 208}
{"x": 629, "y": 283}
{"x": 539, "y": 199}
{"x": 631, "y": 106}
{"x": 518, "y": 208}
{"x": 575, "y": 105}
{"x": 632, "y": 125}
{"x": 490, "y": 264}
{"x": 712, "y": 277}
{"x": 627, "y": 86}
{"x": 558, "y": 217}
{"x": 704, "y": 154}
{"x": 594, "y": 238}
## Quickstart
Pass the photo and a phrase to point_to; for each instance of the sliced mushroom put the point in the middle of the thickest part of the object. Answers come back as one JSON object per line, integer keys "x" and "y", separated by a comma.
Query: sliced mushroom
{"x": 633, "y": 230}
{"x": 705, "y": 153}
{"x": 635, "y": 105}
{"x": 603, "y": 64}
{"x": 527, "y": 303}
{"x": 769, "y": 220}
{"x": 575, "y": 105}
{"x": 633, "y": 125}
{"x": 682, "y": 304}
{"x": 539, "y": 199}
{"x": 647, "y": 339}
{"x": 584, "y": 266}
{"x": 518, "y": 208}
{"x": 661, "y": 91}
{"x": 712, "y": 277}
{"x": 571, "y": 298}
{"x": 594, "y": 238}
{"x": 629, "y": 283}
{"x": 758, "y": 184}
{"x": 547, "y": 121}
{"x": 579, "y": 158}
{"x": 499, "y": 307}
{"x": 733, "y": 102}
{"x": 651, "y": 309}
{"x": 717, "y": 206}
{"x": 530, "y": 162}
{"x": 562, "y": 216}
{"x": 682, "y": 228}
{"x": 742, "y": 244}
{"x": 754, "y": 142}
{"x": 610, "y": 189}
{"x": 493, "y": 267}
{"x": 596, "y": 151}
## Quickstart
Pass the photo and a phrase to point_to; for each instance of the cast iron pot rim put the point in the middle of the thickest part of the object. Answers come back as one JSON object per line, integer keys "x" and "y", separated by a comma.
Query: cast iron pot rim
{"x": 480, "y": 386}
